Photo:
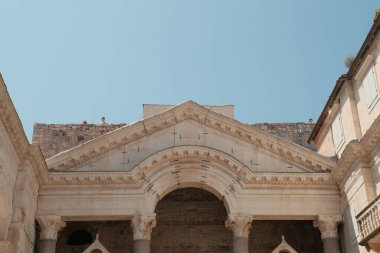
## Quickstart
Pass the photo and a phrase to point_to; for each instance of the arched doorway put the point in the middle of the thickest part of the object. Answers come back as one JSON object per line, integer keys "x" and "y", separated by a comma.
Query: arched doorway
{"x": 191, "y": 220}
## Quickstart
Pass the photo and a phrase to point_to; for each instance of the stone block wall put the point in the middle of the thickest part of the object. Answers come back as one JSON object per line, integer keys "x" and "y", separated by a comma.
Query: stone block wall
{"x": 295, "y": 132}
{"x": 191, "y": 220}
{"x": 55, "y": 138}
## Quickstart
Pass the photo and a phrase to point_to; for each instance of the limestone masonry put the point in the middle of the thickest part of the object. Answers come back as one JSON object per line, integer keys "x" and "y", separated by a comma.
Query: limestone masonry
{"x": 190, "y": 178}
{"x": 55, "y": 138}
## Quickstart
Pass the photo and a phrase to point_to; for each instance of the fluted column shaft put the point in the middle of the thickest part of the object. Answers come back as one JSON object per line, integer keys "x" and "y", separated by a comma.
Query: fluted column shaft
{"x": 50, "y": 226}
{"x": 240, "y": 224}
{"x": 142, "y": 226}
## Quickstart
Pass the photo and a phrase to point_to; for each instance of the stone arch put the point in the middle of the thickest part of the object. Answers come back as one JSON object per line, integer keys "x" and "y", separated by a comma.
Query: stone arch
{"x": 192, "y": 166}
{"x": 191, "y": 220}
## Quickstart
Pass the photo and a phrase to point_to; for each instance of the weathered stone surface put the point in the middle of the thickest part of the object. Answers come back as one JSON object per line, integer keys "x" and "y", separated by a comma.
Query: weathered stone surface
{"x": 55, "y": 138}
{"x": 295, "y": 132}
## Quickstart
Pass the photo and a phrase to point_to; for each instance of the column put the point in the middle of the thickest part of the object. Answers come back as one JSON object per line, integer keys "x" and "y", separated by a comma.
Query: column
{"x": 328, "y": 225}
{"x": 142, "y": 228}
{"x": 240, "y": 224}
{"x": 50, "y": 226}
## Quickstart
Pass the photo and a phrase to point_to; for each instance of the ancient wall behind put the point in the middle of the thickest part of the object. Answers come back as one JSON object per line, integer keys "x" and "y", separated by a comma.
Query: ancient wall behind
{"x": 294, "y": 132}
{"x": 55, "y": 138}
{"x": 191, "y": 220}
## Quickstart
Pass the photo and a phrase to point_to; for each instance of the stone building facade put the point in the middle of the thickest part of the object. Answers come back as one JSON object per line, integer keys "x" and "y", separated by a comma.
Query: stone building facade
{"x": 191, "y": 178}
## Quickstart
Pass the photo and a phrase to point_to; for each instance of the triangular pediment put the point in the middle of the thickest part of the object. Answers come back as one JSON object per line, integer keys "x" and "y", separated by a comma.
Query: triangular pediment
{"x": 189, "y": 124}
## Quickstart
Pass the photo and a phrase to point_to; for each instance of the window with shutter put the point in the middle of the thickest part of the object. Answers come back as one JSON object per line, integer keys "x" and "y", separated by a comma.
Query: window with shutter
{"x": 370, "y": 87}
{"x": 337, "y": 131}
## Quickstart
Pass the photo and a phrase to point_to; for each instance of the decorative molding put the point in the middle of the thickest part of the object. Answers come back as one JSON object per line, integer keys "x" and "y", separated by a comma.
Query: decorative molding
{"x": 143, "y": 225}
{"x": 240, "y": 224}
{"x": 192, "y": 111}
{"x": 50, "y": 226}
{"x": 328, "y": 225}
{"x": 197, "y": 154}
{"x": 274, "y": 178}
{"x": 190, "y": 154}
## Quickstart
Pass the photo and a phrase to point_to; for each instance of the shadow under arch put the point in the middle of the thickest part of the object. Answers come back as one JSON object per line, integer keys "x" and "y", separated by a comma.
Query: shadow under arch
{"x": 196, "y": 167}
{"x": 191, "y": 220}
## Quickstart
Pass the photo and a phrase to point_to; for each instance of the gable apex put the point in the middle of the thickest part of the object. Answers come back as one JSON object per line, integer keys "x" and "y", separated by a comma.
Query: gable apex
{"x": 150, "y": 110}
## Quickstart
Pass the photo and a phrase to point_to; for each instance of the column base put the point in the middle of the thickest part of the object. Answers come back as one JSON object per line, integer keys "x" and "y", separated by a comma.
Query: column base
{"x": 141, "y": 246}
{"x": 331, "y": 245}
{"x": 47, "y": 246}
{"x": 240, "y": 245}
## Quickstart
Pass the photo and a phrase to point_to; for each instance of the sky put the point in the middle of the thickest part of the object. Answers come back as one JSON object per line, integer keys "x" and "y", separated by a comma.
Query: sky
{"x": 275, "y": 60}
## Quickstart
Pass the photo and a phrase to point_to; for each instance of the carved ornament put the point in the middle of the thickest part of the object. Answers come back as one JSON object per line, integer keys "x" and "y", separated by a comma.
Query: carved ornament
{"x": 328, "y": 225}
{"x": 240, "y": 224}
{"x": 50, "y": 226}
{"x": 142, "y": 226}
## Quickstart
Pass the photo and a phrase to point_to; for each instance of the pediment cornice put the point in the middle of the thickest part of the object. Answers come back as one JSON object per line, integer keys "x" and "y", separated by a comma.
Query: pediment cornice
{"x": 192, "y": 111}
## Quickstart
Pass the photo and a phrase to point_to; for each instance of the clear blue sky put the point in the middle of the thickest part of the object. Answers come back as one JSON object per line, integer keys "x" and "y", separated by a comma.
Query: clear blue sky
{"x": 276, "y": 61}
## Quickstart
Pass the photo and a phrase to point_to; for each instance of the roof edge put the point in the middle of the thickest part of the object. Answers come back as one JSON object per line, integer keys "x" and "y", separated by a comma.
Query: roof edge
{"x": 348, "y": 76}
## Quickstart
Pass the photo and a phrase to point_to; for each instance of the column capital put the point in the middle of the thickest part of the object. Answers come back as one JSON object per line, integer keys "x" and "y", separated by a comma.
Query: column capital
{"x": 50, "y": 226}
{"x": 328, "y": 225}
{"x": 142, "y": 225}
{"x": 240, "y": 224}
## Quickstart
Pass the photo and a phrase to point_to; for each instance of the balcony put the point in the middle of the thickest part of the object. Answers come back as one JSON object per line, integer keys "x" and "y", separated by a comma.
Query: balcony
{"x": 369, "y": 222}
